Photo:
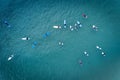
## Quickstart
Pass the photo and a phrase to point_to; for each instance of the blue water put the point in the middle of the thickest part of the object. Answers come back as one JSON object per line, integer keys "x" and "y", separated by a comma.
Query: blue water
{"x": 47, "y": 60}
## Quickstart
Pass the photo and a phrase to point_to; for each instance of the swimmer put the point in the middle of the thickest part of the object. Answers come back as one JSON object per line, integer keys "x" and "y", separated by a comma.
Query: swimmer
{"x": 6, "y": 22}
{"x": 84, "y": 15}
{"x": 95, "y": 28}
{"x": 80, "y": 62}
{"x": 25, "y": 38}
{"x": 65, "y": 24}
{"x": 9, "y": 58}
{"x": 71, "y": 28}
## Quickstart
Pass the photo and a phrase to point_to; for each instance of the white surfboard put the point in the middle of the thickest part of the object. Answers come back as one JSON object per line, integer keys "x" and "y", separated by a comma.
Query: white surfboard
{"x": 25, "y": 38}
{"x": 93, "y": 26}
{"x": 64, "y": 22}
{"x": 9, "y": 58}
{"x": 56, "y": 27}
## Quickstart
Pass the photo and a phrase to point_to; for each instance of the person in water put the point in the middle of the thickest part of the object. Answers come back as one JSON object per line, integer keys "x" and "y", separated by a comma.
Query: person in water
{"x": 80, "y": 62}
{"x": 84, "y": 15}
{"x": 25, "y": 38}
{"x": 94, "y": 28}
{"x": 85, "y": 52}
{"x": 103, "y": 54}
{"x": 98, "y": 47}
{"x": 71, "y": 28}
{"x": 34, "y": 44}
{"x": 65, "y": 26}
{"x": 46, "y": 34}
{"x": 79, "y": 24}
{"x": 6, "y": 22}
{"x": 75, "y": 27}
{"x": 57, "y": 27}
{"x": 10, "y": 57}
{"x": 61, "y": 43}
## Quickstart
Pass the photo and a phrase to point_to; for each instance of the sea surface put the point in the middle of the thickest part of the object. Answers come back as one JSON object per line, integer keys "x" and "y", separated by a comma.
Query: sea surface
{"x": 49, "y": 61}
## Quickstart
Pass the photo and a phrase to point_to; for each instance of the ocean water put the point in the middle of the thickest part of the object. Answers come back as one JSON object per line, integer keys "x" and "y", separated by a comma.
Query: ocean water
{"x": 49, "y": 61}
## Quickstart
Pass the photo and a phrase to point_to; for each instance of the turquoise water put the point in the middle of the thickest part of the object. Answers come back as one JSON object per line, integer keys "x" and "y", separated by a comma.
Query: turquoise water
{"x": 48, "y": 61}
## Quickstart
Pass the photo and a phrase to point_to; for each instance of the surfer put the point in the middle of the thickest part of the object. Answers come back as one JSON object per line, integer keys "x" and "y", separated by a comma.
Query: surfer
{"x": 9, "y": 58}
{"x": 86, "y": 53}
{"x": 61, "y": 43}
{"x": 98, "y": 47}
{"x": 34, "y": 44}
{"x": 103, "y": 54}
{"x": 65, "y": 24}
{"x": 57, "y": 27}
{"x": 25, "y": 38}
{"x": 75, "y": 27}
{"x": 94, "y": 28}
{"x": 79, "y": 24}
{"x": 71, "y": 28}
{"x": 46, "y": 34}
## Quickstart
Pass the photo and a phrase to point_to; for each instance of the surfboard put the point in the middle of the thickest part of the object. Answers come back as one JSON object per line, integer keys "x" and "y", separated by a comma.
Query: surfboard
{"x": 56, "y": 27}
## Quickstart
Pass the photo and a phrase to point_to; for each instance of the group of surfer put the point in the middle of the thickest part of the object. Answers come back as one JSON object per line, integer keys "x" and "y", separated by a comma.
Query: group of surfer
{"x": 86, "y": 54}
{"x": 76, "y": 26}
{"x": 98, "y": 48}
